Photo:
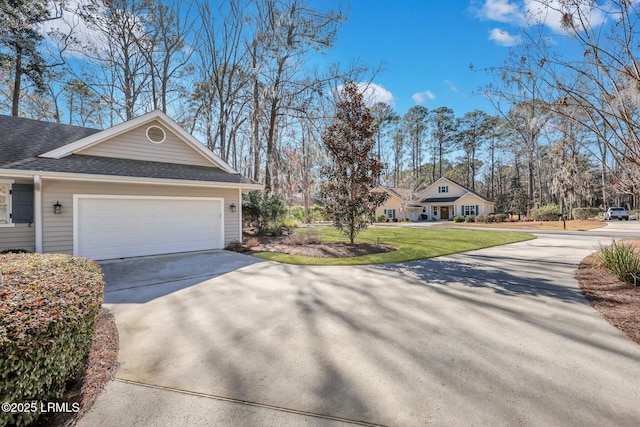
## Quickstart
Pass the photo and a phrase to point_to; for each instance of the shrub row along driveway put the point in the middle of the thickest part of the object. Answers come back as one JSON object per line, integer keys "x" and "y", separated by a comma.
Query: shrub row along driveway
{"x": 499, "y": 336}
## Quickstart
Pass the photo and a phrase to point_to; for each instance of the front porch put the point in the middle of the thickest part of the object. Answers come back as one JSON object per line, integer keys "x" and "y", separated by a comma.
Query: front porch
{"x": 431, "y": 212}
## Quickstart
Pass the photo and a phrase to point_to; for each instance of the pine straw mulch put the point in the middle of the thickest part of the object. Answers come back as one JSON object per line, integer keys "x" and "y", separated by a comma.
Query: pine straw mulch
{"x": 283, "y": 244}
{"x": 102, "y": 364}
{"x": 615, "y": 300}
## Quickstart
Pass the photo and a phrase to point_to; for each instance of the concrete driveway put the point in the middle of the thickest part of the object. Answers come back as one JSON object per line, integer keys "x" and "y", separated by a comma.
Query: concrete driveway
{"x": 499, "y": 336}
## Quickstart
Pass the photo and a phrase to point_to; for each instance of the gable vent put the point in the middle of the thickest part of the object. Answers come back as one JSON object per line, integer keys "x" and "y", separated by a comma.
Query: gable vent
{"x": 156, "y": 134}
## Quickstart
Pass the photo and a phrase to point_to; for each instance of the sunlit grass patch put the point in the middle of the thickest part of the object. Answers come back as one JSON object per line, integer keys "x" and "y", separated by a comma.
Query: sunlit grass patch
{"x": 412, "y": 243}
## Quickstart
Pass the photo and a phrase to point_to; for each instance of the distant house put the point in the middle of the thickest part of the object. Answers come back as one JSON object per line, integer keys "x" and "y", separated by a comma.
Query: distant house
{"x": 143, "y": 187}
{"x": 400, "y": 205}
{"x": 442, "y": 200}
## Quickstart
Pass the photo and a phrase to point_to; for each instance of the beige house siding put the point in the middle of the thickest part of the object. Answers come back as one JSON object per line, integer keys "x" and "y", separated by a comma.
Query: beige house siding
{"x": 134, "y": 145}
{"x": 18, "y": 236}
{"x": 58, "y": 229}
{"x": 453, "y": 190}
{"x": 392, "y": 202}
{"x": 434, "y": 210}
{"x": 484, "y": 207}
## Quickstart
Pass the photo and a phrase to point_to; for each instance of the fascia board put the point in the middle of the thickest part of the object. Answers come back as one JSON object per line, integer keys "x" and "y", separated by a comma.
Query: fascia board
{"x": 125, "y": 179}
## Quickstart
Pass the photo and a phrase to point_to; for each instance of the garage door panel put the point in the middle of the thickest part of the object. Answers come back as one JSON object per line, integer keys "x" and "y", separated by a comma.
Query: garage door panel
{"x": 122, "y": 226}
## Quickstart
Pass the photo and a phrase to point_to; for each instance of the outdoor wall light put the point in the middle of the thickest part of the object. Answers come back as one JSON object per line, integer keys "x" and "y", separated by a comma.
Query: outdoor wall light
{"x": 57, "y": 208}
{"x": 232, "y": 207}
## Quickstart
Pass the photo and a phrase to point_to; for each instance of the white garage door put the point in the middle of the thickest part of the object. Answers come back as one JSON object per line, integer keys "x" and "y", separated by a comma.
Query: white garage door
{"x": 108, "y": 227}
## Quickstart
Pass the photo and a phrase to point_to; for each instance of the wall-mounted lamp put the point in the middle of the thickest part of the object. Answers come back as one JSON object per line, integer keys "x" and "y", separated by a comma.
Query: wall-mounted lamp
{"x": 232, "y": 207}
{"x": 57, "y": 208}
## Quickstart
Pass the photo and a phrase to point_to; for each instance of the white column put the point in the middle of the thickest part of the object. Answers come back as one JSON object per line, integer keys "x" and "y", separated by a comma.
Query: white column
{"x": 37, "y": 211}
{"x": 239, "y": 210}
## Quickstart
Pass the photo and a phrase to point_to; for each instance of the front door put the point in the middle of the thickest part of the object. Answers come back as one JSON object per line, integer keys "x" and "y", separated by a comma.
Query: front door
{"x": 444, "y": 212}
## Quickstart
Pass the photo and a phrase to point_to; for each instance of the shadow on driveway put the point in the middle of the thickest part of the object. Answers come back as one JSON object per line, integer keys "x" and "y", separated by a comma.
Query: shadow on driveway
{"x": 437, "y": 342}
{"x": 142, "y": 279}
{"x": 491, "y": 272}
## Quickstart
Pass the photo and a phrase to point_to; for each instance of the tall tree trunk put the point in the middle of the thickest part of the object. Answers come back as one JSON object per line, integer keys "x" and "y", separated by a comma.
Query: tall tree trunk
{"x": 17, "y": 83}
{"x": 440, "y": 159}
{"x": 493, "y": 170}
{"x": 271, "y": 134}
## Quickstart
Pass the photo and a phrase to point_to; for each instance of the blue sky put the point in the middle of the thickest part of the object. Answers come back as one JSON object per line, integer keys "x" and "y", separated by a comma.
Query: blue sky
{"x": 428, "y": 45}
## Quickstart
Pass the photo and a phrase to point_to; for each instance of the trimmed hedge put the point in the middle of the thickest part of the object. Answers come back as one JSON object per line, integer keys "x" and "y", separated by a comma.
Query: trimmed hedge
{"x": 381, "y": 218}
{"x": 48, "y": 307}
{"x": 550, "y": 212}
{"x": 586, "y": 213}
{"x": 491, "y": 218}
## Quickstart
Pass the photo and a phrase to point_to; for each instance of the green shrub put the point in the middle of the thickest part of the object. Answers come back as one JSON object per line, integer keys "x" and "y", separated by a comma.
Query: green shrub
{"x": 273, "y": 228}
{"x": 297, "y": 212}
{"x": 500, "y": 217}
{"x": 48, "y": 307}
{"x": 585, "y": 213}
{"x": 458, "y": 218}
{"x": 317, "y": 214}
{"x": 381, "y": 218}
{"x": 261, "y": 210}
{"x": 621, "y": 259}
{"x": 289, "y": 222}
{"x": 469, "y": 218}
{"x": 549, "y": 212}
{"x": 481, "y": 219}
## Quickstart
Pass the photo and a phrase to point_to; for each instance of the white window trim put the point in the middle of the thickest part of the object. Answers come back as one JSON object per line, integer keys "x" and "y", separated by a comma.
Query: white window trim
{"x": 8, "y": 184}
{"x": 471, "y": 208}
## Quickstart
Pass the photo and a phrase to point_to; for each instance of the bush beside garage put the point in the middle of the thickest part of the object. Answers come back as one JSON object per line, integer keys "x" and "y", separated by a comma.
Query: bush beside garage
{"x": 48, "y": 307}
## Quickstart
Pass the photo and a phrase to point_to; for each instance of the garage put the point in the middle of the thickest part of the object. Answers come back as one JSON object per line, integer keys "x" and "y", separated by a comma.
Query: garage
{"x": 106, "y": 227}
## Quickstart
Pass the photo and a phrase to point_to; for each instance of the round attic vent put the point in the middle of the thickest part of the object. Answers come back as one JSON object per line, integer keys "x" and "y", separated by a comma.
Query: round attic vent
{"x": 156, "y": 134}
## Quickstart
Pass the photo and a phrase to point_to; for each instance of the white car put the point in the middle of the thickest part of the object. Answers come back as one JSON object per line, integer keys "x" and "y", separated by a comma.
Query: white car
{"x": 620, "y": 213}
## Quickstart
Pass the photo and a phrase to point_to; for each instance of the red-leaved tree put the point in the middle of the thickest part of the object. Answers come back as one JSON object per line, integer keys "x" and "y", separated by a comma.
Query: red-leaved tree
{"x": 353, "y": 168}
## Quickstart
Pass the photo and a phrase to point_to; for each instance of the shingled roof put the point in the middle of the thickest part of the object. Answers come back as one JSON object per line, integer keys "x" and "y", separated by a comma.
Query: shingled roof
{"x": 23, "y": 140}
{"x": 109, "y": 166}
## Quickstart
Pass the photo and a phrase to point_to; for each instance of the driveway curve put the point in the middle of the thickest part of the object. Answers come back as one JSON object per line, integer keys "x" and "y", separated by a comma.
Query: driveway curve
{"x": 499, "y": 336}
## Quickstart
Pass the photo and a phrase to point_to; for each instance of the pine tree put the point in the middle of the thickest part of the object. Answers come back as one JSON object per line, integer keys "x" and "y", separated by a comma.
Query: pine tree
{"x": 20, "y": 38}
{"x": 354, "y": 169}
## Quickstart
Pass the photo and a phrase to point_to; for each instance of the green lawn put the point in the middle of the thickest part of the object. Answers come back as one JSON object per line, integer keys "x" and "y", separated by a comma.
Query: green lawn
{"x": 413, "y": 243}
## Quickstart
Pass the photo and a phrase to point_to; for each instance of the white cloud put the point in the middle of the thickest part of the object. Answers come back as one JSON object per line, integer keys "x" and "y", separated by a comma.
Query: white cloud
{"x": 550, "y": 13}
{"x": 373, "y": 93}
{"x": 420, "y": 97}
{"x": 501, "y": 11}
{"x": 449, "y": 83}
{"x": 504, "y": 38}
{"x": 528, "y": 12}
{"x": 69, "y": 22}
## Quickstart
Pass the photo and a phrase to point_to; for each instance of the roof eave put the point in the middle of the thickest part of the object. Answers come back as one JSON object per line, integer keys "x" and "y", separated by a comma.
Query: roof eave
{"x": 126, "y": 179}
